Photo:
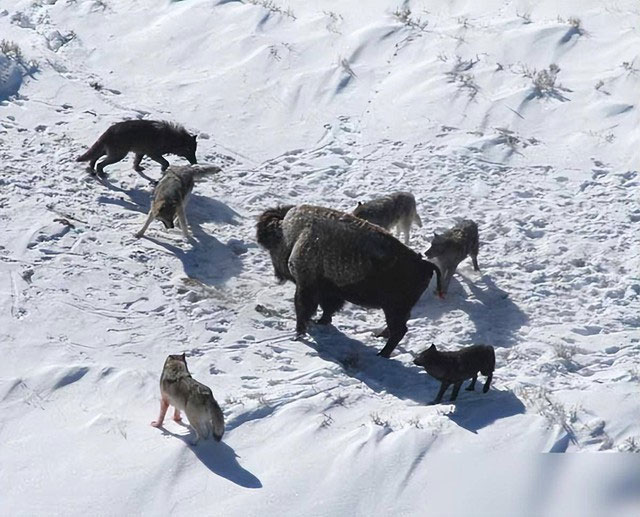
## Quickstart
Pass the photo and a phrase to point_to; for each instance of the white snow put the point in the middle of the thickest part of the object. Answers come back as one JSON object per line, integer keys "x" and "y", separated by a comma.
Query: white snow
{"x": 322, "y": 102}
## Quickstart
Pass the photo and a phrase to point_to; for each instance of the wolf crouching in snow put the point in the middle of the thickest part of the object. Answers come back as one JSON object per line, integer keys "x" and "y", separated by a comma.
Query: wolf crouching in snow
{"x": 184, "y": 393}
{"x": 143, "y": 137}
{"x": 452, "y": 247}
{"x": 397, "y": 209}
{"x": 171, "y": 195}
{"x": 334, "y": 257}
{"x": 455, "y": 367}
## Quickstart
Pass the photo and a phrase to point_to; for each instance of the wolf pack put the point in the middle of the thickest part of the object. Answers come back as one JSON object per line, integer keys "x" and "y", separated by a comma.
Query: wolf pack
{"x": 331, "y": 256}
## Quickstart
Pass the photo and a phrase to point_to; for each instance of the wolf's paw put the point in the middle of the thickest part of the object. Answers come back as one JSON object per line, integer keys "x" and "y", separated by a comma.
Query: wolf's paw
{"x": 155, "y": 423}
{"x": 177, "y": 419}
{"x": 137, "y": 235}
{"x": 139, "y": 168}
{"x": 324, "y": 320}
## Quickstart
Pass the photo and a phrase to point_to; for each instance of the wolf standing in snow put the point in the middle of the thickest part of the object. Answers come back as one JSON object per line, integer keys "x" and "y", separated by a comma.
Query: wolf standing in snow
{"x": 452, "y": 247}
{"x": 397, "y": 209}
{"x": 143, "y": 137}
{"x": 455, "y": 367}
{"x": 334, "y": 257}
{"x": 171, "y": 195}
{"x": 184, "y": 393}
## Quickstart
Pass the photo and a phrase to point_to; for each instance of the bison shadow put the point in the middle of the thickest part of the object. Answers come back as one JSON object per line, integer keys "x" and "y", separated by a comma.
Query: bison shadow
{"x": 495, "y": 316}
{"x": 220, "y": 459}
{"x": 361, "y": 362}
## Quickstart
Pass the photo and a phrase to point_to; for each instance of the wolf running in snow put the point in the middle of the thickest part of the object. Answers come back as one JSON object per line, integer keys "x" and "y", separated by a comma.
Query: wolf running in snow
{"x": 152, "y": 138}
{"x": 171, "y": 195}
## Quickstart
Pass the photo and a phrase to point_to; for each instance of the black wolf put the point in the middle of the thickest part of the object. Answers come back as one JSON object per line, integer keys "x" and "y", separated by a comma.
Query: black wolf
{"x": 143, "y": 137}
{"x": 455, "y": 367}
{"x": 452, "y": 247}
{"x": 334, "y": 257}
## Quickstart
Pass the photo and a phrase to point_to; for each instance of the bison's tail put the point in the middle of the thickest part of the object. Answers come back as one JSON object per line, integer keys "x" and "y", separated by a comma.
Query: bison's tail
{"x": 432, "y": 268}
{"x": 269, "y": 227}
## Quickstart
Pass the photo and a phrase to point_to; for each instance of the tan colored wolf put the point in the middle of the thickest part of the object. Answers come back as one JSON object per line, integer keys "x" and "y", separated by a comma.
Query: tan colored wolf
{"x": 184, "y": 393}
{"x": 171, "y": 195}
{"x": 143, "y": 137}
{"x": 397, "y": 209}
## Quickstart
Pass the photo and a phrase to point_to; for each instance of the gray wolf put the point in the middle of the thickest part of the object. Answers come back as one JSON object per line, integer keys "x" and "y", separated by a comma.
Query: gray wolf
{"x": 397, "y": 209}
{"x": 143, "y": 137}
{"x": 334, "y": 257}
{"x": 171, "y": 195}
{"x": 184, "y": 393}
{"x": 452, "y": 247}
{"x": 455, "y": 367}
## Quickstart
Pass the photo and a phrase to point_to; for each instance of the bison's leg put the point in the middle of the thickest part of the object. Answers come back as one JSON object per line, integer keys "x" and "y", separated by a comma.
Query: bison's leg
{"x": 472, "y": 385}
{"x": 443, "y": 387}
{"x": 306, "y": 302}
{"x": 487, "y": 383}
{"x": 330, "y": 303}
{"x": 397, "y": 325}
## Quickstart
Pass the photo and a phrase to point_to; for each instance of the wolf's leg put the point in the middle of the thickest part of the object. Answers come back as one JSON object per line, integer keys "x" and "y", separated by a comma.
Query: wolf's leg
{"x": 487, "y": 383}
{"x": 306, "y": 303}
{"x": 149, "y": 220}
{"x": 406, "y": 229}
{"x": 182, "y": 219}
{"x": 176, "y": 415}
{"x": 111, "y": 158}
{"x": 472, "y": 385}
{"x": 160, "y": 159}
{"x": 136, "y": 162}
{"x": 164, "y": 405}
{"x": 443, "y": 387}
{"x": 92, "y": 163}
{"x": 397, "y": 325}
{"x": 456, "y": 389}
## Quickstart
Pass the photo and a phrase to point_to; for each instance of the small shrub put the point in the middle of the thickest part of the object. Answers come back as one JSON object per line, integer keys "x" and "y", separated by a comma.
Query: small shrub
{"x": 405, "y": 16}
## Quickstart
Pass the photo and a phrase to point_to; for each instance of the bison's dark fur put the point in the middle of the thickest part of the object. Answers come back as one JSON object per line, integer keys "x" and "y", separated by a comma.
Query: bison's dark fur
{"x": 334, "y": 257}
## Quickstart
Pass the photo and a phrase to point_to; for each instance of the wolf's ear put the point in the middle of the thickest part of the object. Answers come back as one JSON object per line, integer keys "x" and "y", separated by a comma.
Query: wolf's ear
{"x": 359, "y": 203}
{"x": 195, "y": 137}
{"x": 435, "y": 234}
{"x": 184, "y": 357}
{"x": 432, "y": 347}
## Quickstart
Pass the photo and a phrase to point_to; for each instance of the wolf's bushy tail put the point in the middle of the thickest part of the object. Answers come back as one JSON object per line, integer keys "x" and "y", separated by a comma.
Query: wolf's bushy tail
{"x": 95, "y": 151}
{"x": 269, "y": 227}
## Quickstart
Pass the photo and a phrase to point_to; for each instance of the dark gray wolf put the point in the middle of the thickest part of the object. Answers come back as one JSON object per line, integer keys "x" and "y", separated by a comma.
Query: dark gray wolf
{"x": 171, "y": 195}
{"x": 143, "y": 137}
{"x": 334, "y": 257}
{"x": 452, "y": 247}
{"x": 455, "y": 367}
{"x": 184, "y": 393}
{"x": 397, "y": 209}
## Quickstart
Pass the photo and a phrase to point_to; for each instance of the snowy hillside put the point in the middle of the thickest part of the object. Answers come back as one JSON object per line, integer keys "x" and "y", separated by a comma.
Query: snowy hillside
{"x": 520, "y": 115}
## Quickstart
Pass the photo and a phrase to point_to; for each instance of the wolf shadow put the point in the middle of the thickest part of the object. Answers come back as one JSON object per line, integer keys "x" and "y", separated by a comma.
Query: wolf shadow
{"x": 220, "y": 459}
{"x": 206, "y": 259}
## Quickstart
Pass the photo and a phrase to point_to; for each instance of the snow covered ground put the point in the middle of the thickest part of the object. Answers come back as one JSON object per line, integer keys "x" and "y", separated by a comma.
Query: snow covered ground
{"x": 521, "y": 115}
